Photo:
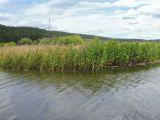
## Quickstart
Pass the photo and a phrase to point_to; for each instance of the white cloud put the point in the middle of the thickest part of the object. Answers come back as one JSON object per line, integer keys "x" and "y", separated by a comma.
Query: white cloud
{"x": 40, "y": 9}
{"x": 124, "y": 2}
{"x": 93, "y": 5}
{"x": 84, "y": 7}
{"x": 142, "y": 22}
{"x": 51, "y": 6}
{"x": 6, "y": 18}
{"x": 132, "y": 3}
{"x": 48, "y": 7}
{"x": 124, "y": 18}
{"x": 150, "y": 9}
{"x": 131, "y": 23}
{"x": 3, "y": 1}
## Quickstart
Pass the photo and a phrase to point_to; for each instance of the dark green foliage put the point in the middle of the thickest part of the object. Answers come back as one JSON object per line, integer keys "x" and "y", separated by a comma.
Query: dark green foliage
{"x": 8, "y": 34}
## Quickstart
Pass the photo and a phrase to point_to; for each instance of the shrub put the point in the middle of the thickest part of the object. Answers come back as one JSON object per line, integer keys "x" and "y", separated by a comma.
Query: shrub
{"x": 69, "y": 40}
{"x": 66, "y": 40}
{"x": 1, "y": 44}
{"x": 24, "y": 41}
{"x": 9, "y": 44}
{"x": 46, "y": 41}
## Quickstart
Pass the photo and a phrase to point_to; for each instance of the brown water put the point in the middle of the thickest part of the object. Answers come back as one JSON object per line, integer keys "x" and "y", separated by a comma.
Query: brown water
{"x": 110, "y": 95}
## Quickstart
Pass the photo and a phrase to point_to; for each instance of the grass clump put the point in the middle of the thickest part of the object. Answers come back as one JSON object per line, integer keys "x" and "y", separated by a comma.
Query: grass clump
{"x": 90, "y": 55}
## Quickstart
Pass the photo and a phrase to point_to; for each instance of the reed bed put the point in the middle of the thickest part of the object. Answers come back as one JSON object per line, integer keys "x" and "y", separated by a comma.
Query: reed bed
{"x": 92, "y": 55}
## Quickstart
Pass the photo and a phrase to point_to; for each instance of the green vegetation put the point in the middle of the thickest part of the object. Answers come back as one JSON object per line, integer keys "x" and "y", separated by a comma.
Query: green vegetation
{"x": 9, "y": 44}
{"x": 25, "y": 41}
{"x": 90, "y": 55}
{"x": 14, "y": 34}
{"x": 66, "y": 40}
{"x": 53, "y": 50}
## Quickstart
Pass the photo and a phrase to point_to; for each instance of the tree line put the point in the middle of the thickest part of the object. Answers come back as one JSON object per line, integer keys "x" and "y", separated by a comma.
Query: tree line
{"x": 14, "y": 34}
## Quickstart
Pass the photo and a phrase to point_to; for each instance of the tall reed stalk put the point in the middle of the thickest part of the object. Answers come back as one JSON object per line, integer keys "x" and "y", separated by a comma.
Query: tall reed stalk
{"x": 89, "y": 56}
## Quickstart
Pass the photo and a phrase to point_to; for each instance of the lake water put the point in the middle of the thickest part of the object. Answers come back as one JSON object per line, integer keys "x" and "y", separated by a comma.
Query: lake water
{"x": 108, "y": 95}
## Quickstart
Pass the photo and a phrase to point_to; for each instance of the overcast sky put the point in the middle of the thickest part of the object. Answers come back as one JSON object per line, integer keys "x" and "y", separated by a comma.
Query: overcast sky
{"x": 110, "y": 18}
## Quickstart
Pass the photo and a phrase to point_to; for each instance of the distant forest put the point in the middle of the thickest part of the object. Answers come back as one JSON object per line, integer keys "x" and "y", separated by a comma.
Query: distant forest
{"x": 14, "y": 34}
{"x": 8, "y": 33}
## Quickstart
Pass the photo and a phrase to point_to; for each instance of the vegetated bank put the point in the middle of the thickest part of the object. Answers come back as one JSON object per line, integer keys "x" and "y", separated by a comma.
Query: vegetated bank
{"x": 73, "y": 53}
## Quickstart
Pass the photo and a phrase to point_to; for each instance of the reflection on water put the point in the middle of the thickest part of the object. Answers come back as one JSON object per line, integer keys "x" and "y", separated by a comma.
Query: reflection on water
{"x": 110, "y": 95}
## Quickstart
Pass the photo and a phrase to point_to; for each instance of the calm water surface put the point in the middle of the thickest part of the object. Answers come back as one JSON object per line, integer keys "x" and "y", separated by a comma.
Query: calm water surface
{"x": 109, "y": 95}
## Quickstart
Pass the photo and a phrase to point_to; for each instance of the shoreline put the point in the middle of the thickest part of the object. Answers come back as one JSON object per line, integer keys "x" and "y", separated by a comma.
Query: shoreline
{"x": 96, "y": 69}
{"x": 91, "y": 56}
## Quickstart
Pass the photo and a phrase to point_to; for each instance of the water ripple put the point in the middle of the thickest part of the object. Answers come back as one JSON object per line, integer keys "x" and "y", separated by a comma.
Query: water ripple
{"x": 130, "y": 95}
